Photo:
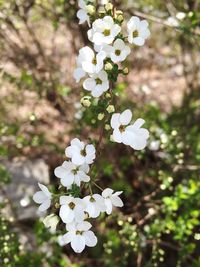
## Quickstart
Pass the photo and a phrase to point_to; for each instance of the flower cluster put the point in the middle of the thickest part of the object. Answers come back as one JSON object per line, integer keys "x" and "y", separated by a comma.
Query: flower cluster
{"x": 74, "y": 211}
{"x": 99, "y": 66}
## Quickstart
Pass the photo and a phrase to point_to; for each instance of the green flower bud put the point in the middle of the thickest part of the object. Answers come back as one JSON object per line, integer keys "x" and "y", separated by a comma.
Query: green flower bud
{"x": 108, "y": 7}
{"x": 110, "y": 109}
{"x": 85, "y": 101}
{"x": 90, "y": 9}
{"x": 108, "y": 66}
{"x": 125, "y": 71}
{"x": 107, "y": 127}
{"x": 101, "y": 116}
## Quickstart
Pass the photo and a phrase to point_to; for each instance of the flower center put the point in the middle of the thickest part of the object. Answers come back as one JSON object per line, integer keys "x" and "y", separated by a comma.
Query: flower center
{"x": 72, "y": 205}
{"x": 117, "y": 52}
{"x": 94, "y": 61}
{"x": 83, "y": 152}
{"x": 92, "y": 199}
{"x": 106, "y": 32}
{"x": 79, "y": 232}
{"x": 122, "y": 128}
{"x": 98, "y": 81}
{"x": 135, "y": 34}
{"x": 75, "y": 171}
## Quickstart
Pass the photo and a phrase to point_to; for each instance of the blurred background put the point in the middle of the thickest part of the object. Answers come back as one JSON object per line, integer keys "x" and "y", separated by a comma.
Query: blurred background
{"x": 40, "y": 112}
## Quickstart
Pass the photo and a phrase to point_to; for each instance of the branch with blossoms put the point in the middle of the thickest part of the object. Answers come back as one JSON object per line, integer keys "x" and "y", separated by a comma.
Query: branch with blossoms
{"x": 98, "y": 67}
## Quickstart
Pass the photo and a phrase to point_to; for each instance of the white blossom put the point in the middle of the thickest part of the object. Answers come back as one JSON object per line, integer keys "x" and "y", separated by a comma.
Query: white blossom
{"x": 69, "y": 174}
{"x": 94, "y": 205}
{"x": 111, "y": 199}
{"x": 80, "y": 153}
{"x": 119, "y": 51}
{"x": 103, "y": 31}
{"x": 138, "y": 31}
{"x": 72, "y": 209}
{"x": 51, "y": 222}
{"x": 82, "y": 13}
{"x": 88, "y": 62}
{"x": 97, "y": 83}
{"x": 43, "y": 198}
{"x": 131, "y": 135}
{"x": 79, "y": 235}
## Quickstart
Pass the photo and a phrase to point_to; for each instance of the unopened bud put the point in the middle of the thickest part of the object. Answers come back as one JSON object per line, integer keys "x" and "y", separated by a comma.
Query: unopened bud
{"x": 120, "y": 18}
{"x": 108, "y": 95}
{"x": 85, "y": 101}
{"x": 90, "y": 9}
{"x": 107, "y": 127}
{"x": 110, "y": 109}
{"x": 57, "y": 205}
{"x": 100, "y": 116}
{"x": 108, "y": 6}
{"x": 108, "y": 66}
{"x": 125, "y": 71}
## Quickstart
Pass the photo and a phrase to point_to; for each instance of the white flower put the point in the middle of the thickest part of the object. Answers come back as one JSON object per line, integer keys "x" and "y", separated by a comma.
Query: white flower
{"x": 80, "y": 153}
{"x": 119, "y": 51}
{"x": 69, "y": 173}
{"x": 72, "y": 209}
{"x": 111, "y": 199}
{"x": 131, "y": 135}
{"x": 79, "y": 236}
{"x": 94, "y": 205}
{"x": 51, "y": 222}
{"x": 97, "y": 83}
{"x": 138, "y": 31}
{"x": 78, "y": 74}
{"x": 82, "y": 13}
{"x": 88, "y": 62}
{"x": 140, "y": 135}
{"x": 103, "y": 31}
{"x": 42, "y": 197}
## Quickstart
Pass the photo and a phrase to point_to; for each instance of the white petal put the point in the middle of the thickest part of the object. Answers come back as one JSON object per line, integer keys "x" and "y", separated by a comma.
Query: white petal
{"x": 138, "y": 41}
{"x": 61, "y": 172}
{"x": 90, "y": 239}
{"x": 115, "y": 123}
{"x": 78, "y": 159}
{"x": 68, "y": 237}
{"x": 107, "y": 192}
{"x": 125, "y": 117}
{"x": 89, "y": 84}
{"x": 116, "y": 201}
{"x": 70, "y": 150}
{"x": 78, "y": 143}
{"x": 82, "y": 176}
{"x": 117, "y": 136}
{"x": 127, "y": 137}
{"x": 66, "y": 200}
{"x": 78, "y": 74}
{"x": 66, "y": 214}
{"x": 82, "y": 16}
{"x": 78, "y": 243}
{"x": 138, "y": 123}
{"x": 79, "y": 214}
{"x": 97, "y": 91}
{"x": 68, "y": 181}
{"x": 85, "y": 168}
{"x": 44, "y": 190}
{"x": 108, "y": 205}
{"x": 45, "y": 205}
{"x": 84, "y": 226}
{"x": 39, "y": 197}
